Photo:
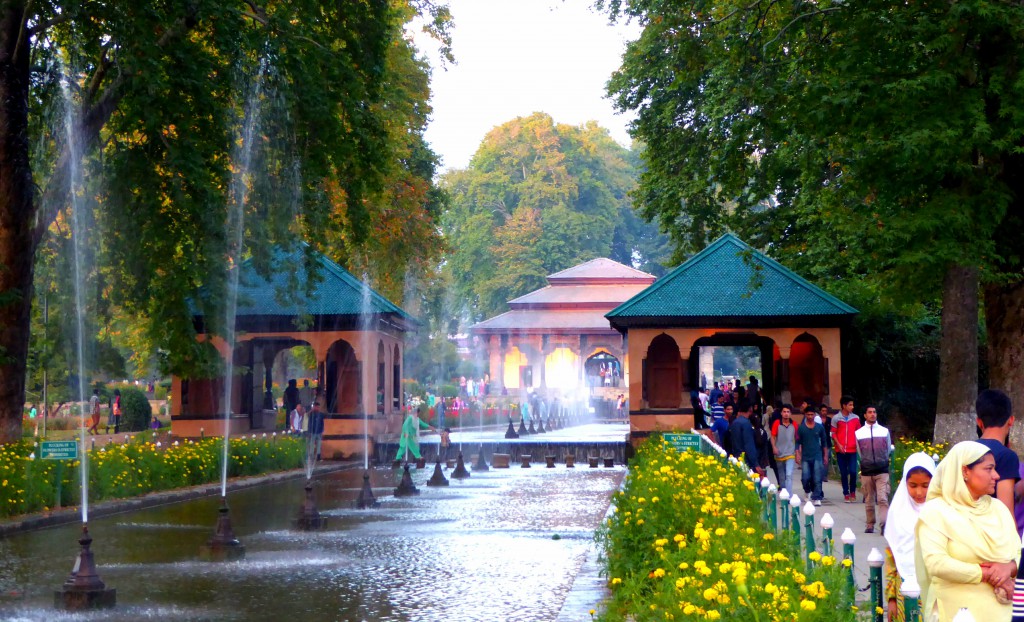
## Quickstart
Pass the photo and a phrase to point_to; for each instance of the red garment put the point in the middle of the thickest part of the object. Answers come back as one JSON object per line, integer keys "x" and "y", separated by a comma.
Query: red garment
{"x": 844, "y": 434}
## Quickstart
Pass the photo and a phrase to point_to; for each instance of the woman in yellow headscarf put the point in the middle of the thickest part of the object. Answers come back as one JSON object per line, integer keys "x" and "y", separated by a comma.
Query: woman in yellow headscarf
{"x": 967, "y": 543}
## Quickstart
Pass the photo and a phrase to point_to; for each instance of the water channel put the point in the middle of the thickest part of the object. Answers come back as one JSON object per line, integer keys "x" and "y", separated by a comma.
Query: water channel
{"x": 484, "y": 548}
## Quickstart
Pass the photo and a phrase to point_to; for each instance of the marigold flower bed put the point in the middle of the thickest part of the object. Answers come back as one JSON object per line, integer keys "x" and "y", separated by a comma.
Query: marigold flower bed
{"x": 116, "y": 471}
{"x": 685, "y": 540}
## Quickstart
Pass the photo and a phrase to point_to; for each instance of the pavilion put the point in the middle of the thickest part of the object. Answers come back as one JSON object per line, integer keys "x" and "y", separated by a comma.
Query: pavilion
{"x": 556, "y": 338}
{"x": 729, "y": 294}
{"x": 357, "y": 337}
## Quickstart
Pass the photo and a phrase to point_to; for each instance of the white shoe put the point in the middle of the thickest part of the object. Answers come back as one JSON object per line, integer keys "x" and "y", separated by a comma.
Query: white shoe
{"x": 817, "y": 502}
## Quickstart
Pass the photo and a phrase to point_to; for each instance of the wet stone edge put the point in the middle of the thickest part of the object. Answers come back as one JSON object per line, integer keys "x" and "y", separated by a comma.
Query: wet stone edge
{"x": 64, "y": 516}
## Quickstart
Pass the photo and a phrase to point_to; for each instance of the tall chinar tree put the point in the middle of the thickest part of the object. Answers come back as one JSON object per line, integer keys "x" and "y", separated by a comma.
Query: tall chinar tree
{"x": 158, "y": 94}
{"x": 538, "y": 197}
{"x": 871, "y": 142}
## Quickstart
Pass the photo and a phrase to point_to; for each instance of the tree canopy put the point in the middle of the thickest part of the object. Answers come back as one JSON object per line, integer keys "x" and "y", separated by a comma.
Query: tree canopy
{"x": 868, "y": 142}
{"x": 539, "y": 197}
{"x": 314, "y": 111}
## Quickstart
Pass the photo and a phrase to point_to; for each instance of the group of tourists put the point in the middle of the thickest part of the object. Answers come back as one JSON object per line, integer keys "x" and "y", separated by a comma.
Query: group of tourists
{"x": 952, "y": 531}
{"x": 305, "y": 412}
{"x": 113, "y": 412}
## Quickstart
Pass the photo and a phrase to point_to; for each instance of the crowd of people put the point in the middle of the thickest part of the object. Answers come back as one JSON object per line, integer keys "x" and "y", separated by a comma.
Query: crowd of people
{"x": 955, "y": 528}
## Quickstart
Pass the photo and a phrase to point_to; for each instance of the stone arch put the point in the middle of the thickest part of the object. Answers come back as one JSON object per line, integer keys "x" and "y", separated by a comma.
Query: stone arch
{"x": 342, "y": 391}
{"x": 602, "y": 360}
{"x": 663, "y": 373}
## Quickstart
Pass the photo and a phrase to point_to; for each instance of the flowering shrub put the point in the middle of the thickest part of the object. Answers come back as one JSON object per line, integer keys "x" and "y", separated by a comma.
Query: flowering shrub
{"x": 141, "y": 466}
{"x": 685, "y": 540}
{"x": 907, "y": 446}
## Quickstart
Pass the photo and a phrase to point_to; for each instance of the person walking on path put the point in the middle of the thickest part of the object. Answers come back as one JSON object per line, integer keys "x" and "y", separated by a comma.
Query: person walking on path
{"x": 810, "y": 451}
{"x": 409, "y": 441}
{"x": 741, "y": 433}
{"x": 826, "y": 420}
{"x": 439, "y": 410}
{"x": 995, "y": 418}
{"x": 906, "y": 506}
{"x": 844, "y": 440}
{"x": 115, "y": 411}
{"x": 94, "y": 406}
{"x": 873, "y": 450}
{"x": 784, "y": 447}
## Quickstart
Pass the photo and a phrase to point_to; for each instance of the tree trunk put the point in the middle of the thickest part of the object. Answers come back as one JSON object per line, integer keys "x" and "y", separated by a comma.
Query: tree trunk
{"x": 17, "y": 213}
{"x": 1004, "y": 321}
{"x": 958, "y": 352}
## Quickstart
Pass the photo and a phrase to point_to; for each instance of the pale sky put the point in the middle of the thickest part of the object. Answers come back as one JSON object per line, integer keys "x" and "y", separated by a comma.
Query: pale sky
{"x": 517, "y": 57}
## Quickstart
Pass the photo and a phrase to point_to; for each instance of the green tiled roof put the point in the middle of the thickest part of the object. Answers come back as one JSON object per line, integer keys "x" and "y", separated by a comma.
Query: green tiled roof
{"x": 287, "y": 290}
{"x": 730, "y": 279}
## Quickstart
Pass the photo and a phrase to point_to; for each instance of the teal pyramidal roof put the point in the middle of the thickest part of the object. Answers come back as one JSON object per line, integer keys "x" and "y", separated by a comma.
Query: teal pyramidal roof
{"x": 731, "y": 281}
{"x": 288, "y": 291}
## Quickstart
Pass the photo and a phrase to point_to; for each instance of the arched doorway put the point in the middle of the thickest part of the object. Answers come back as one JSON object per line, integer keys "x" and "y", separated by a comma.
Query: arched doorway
{"x": 342, "y": 372}
{"x": 396, "y": 380}
{"x": 663, "y": 374}
{"x": 807, "y": 372}
{"x": 561, "y": 369}
{"x": 381, "y": 377}
{"x": 603, "y": 369}
{"x": 518, "y": 374}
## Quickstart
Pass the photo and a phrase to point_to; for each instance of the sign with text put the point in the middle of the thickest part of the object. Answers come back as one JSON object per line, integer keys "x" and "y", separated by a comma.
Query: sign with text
{"x": 58, "y": 450}
{"x": 682, "y": 442}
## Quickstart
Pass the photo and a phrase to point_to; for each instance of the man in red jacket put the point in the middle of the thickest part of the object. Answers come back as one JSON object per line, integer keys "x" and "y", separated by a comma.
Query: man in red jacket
{"x": 844, "y": 440}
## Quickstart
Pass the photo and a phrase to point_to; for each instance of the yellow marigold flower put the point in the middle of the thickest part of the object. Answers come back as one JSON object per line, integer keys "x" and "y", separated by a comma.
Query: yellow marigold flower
{"x": 814, "y": 556}
{"x": 713, "y": 615}
{"x": 768, "y": 536}
{"x": 710, "y": 594}
{"x": 809, "y": 605}
{"x": 616, "y": 581}
{"x": 847, "y": 563}
{"x": 765, "y": 557}
{"x": 689, "y": 609}
{"x": 720, "y": 531}
{"x": 659, "y": 572}
{"x": 724, "y": 568}
{"x": 828, "y": 560}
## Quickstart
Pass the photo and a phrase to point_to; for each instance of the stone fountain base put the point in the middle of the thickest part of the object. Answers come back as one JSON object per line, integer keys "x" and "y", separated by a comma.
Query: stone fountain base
{"x": 83, "y": 588}
{"x": 309, "y": 518}
{"x": 223, "y": 546}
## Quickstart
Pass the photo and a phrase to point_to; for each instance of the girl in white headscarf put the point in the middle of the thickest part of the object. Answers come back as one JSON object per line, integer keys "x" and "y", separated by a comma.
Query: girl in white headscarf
{"x": 904, "y": 509}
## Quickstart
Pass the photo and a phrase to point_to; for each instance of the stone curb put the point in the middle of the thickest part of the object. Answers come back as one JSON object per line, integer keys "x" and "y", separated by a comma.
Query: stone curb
{"x": 65, "y": 516}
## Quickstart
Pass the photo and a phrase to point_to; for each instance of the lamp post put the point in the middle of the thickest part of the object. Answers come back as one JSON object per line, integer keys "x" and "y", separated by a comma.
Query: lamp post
{"x": 809, "y": 526}
{"x": 794, "y": 520}
{"x": 849, "y": 539}
{"x": 784, "y": 499}
{"x": 875, "y": 561}
{"x": 911, "y": 593}
{"x": 773, "y": 508}
{"x": 826, "y": 523}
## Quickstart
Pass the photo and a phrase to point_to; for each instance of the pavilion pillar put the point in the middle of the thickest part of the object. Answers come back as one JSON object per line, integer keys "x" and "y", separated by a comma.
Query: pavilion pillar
{"x": 503, "y": 353}
{"x": 787, "y": 395}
